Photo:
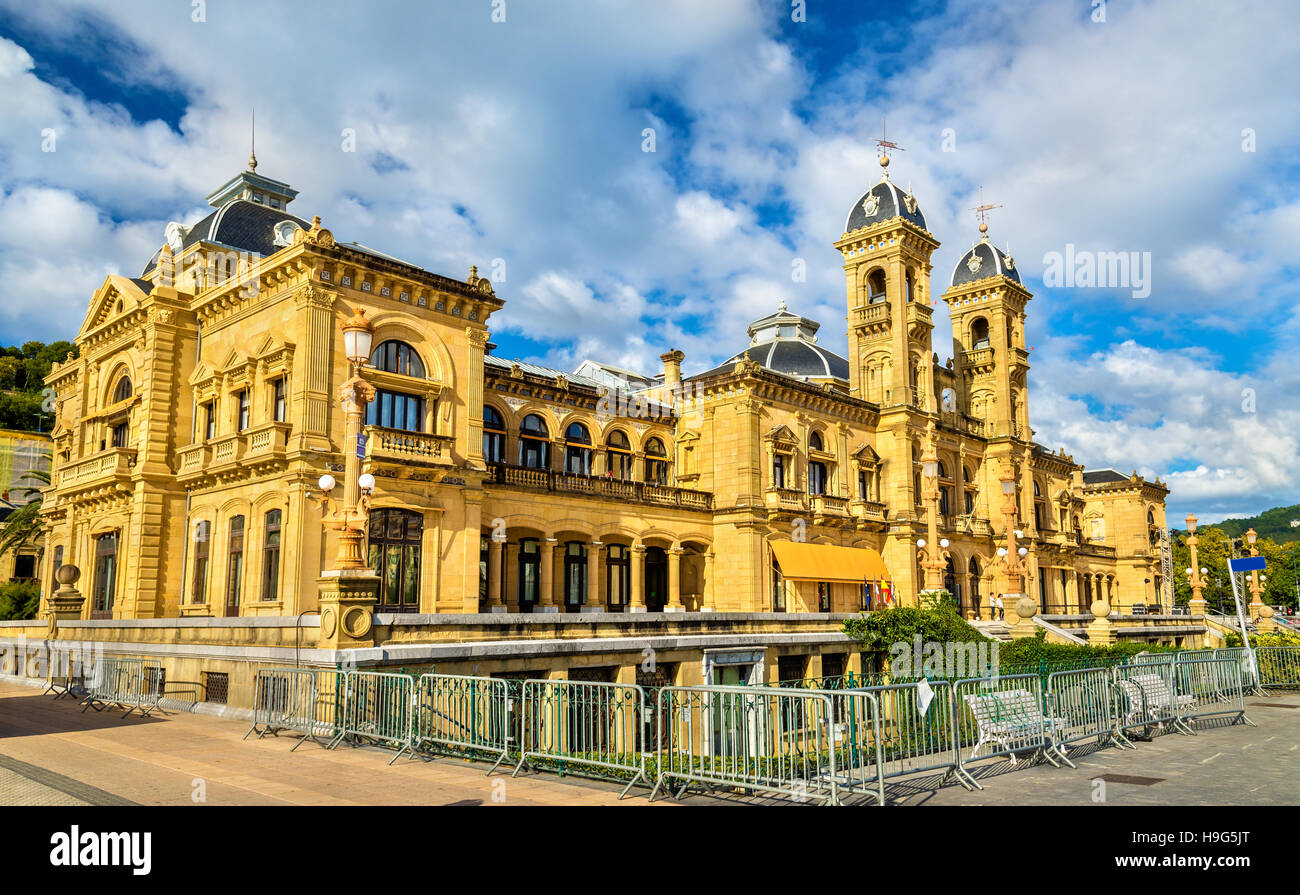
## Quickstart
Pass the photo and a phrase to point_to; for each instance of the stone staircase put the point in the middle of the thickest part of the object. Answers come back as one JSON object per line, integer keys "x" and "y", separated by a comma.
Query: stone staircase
{"x": 993, "y": 630}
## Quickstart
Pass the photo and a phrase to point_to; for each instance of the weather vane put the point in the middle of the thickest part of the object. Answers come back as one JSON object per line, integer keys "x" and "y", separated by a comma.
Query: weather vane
{"x": 982, "y": 212}
{"x": 884, "y": 143}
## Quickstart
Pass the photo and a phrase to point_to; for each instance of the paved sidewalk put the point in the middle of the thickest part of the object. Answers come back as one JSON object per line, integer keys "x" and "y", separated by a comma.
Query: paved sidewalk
{"x": 1221, "y": 765}
{"x": 53, "y": 754}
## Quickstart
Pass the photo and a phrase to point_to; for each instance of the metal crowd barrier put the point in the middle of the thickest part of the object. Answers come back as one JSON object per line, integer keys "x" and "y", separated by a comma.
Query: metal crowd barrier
{"x": 293, "y": 699}
{"x": 758, "y": 739}
{"x": 131, "y": 684}
{"x": 378, "y": 707}
{"x": 1007, "y": 715}
{"x": 464, "y": 714}
{"x": 1279, "y": 666}
{"x": 915, "y": 736}
{"x": 1082, "y": 699}
{"x": 1209, "y": 687}
{"x": 1144, "y": 697}
{"x": 855, "y": 735}
{"x": 592, "y": 724}
{"x": 66, "y": 674}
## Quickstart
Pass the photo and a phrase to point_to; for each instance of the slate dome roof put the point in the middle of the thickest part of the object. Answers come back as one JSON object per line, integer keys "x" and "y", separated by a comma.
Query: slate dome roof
{"x": 991, "y": 262}
{"x": 882, "y": 202}
{"x": 239, "y": 224}
{"x": 786, "y": 343}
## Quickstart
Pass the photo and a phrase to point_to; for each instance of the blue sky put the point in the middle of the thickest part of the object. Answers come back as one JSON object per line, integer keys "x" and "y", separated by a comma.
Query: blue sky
{"x": 1169, "y": 128}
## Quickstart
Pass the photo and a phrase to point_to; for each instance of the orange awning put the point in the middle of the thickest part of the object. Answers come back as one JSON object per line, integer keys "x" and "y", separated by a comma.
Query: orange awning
{"x": 823, "y": 562}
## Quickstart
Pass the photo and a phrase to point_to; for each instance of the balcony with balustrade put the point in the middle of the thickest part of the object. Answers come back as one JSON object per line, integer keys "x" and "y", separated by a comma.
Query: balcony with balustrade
{"x": 789, "y": 500}
{"x": 605, "y": 487}
{"x": 113, "y": 466}
{"x": 401, "y": 446}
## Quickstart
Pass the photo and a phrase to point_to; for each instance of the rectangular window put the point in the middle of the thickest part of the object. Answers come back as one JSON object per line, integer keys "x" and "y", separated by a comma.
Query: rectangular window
{"x": 25, "y": 566}
{"x": 271, "y": 557}
{"x": 494, "y": 447}
{"x": 530, "y": 568}
{"x": 823, "y": 597}
{"x": 394, "y": 410}
{"x": 278, "y": 404}
{"x": 209, "y": 420}
{"x": 242, "y": 398}
{"x": 121, "y": 434}
{"x": 778, "y": 590}
{"x": 235, "y": 570}
{"x": 778, "y": 471}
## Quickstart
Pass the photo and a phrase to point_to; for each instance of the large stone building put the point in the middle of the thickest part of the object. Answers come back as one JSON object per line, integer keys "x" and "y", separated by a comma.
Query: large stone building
{"x": 202, "y": 410}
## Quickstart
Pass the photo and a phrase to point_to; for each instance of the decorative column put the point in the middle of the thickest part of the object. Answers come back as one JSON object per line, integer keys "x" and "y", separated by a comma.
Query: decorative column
{"x": 546, "y": 599}
{"x": 675, "y": 580}
{"x": 706, "y": 589}
{"x": 1196, "y": 606}
{"x": 638, "y": 579}
{"x": 594, "y": 566}
{"x": 494, "y": 602}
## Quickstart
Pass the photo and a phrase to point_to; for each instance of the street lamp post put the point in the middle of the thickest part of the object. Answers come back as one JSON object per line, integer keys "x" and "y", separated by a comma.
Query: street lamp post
{"x": 1256, "y": 590}
{"x": 1015, "y": 581}
{"x": 349, "y": 588}
{"x": 1196, "y": 606}
{"x": 933, "y": 563}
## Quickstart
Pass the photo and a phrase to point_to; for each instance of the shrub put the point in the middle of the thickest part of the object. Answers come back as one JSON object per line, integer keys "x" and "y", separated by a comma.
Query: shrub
{"x": 19, "y": 600}
{"x": 882, "y": 628}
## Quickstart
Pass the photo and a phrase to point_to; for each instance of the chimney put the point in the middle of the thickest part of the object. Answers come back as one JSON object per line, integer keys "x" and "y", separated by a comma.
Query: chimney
{"x": 672, "y": 367}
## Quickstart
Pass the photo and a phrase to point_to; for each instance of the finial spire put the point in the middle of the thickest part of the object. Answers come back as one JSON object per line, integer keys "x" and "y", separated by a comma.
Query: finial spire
{"x": 252, "y": 145}
{"x": 981, "y": 214}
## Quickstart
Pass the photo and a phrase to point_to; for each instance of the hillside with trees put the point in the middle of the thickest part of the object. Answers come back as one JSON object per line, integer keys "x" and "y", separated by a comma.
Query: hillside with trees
{"x": 22, "y": 380}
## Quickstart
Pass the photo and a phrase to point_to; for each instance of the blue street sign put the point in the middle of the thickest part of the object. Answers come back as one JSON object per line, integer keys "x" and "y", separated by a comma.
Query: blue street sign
{"x": 361, "y": 447}
{"x": 1246, "y": 564}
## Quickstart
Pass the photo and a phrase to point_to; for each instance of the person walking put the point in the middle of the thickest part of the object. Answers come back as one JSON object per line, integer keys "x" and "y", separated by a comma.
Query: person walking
{"x": 1002, "y": 611}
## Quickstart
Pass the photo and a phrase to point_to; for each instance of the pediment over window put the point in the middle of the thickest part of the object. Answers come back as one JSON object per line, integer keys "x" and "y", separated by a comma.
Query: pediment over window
{"x": 866, "y": 455}
{"x": 274, "y": 354}
{"x": 781, "y": 435}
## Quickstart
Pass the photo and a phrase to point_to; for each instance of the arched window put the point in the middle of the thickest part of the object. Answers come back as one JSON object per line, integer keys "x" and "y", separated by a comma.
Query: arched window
{"x": 815, "y": 441}
{"x": 395, "y": 557}
{"x": 122, "y": 390}
{"x": 656, "y": 462}
{"x": 619, "y": 455}
{"x": 235, "y": 565}
{"x": 202, "y": 542}
{"x": 494, "y": 435}
{"x": 577, "y": 450}
{"x": 397, "y": 357}
{"x": 534, "y": 443}
{"x": 945, "y": 490}
{"x": 909, "y": 283}
{"x": 875, "y": 287}
{"x": 1040, "y": 507}
{"x": 271, "y": 556}
{"x": 979, "y": 333}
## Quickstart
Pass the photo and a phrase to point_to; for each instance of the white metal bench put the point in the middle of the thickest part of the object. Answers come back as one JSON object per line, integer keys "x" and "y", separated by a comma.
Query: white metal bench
{"x": 1014, "y": 717}
{"x": 1151, "y": 701}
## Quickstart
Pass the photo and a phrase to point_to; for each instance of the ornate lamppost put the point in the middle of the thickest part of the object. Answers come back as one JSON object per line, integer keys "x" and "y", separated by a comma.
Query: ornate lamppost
{"x": 1256, "y": 589}
{"x": 933, "y": 564}
{"x": 1194, "y": 575}
{"x": 348, "y": 589}
{"x": 1022, "y": 607}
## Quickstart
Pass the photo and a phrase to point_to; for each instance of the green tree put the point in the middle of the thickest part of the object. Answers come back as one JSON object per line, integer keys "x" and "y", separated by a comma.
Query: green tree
{"x": 24, "y": 524}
